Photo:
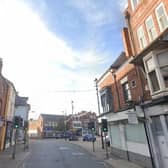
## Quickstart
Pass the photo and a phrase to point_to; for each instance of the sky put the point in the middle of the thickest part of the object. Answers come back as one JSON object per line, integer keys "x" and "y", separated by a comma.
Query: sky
{"x": 52, "y": 50}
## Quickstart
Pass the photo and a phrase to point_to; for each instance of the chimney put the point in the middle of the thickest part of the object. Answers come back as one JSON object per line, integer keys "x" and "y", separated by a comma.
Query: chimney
{"x": 126, "y": 40}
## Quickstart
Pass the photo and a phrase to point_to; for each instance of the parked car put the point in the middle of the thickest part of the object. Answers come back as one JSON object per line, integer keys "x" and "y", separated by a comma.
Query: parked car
{"x": 73, "y": 138}
{"x": 89, "y": 137}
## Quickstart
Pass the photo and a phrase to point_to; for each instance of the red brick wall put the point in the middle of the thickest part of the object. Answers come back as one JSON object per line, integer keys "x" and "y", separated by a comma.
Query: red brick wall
{"x": 138, "y": 91}
{"x": 3, "y": 95}
{"x": 140, "y": 14}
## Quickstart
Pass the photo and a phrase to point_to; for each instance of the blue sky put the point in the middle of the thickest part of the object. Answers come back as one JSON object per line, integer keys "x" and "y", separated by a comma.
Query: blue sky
{"x": 49, "y": 46}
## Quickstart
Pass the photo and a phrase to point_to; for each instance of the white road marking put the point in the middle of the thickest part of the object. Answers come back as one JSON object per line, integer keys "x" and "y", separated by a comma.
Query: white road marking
{"x": 77, "y": 154}
{"x": 63, "y": 148}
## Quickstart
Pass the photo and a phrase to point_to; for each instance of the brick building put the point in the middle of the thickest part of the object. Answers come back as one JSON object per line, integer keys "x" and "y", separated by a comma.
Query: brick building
{"x": 134, "y": 89}
{"x": 82, "y": 119}
{"x": 3, "y": 99}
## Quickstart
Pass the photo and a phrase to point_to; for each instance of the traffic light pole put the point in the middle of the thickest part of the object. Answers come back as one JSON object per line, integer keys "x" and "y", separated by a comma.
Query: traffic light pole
{"x": 106, "y": 148}
{"x": 14, "y": 146}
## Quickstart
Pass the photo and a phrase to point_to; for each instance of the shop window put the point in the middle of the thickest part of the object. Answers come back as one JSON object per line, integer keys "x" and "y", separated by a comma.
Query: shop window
{"x": 162, "y": 17}
{"x": 141, "y": 38}
{"x": 151, "y": 28}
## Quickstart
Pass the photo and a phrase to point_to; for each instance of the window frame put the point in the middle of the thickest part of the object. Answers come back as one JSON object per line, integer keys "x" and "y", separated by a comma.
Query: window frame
{"x": 134, "y": 5}
{"x": 148, "y": 29}
{"x": 126, "y": 92}
{"x": 159, "y": 76}
{"x": 143, "y": 42}
{"x": 106, "y": 102}
{"x": 165, "y": 13}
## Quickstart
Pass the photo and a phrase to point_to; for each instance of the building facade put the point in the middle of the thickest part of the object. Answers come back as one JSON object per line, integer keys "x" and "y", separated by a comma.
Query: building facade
{"x": 150, "y": 51}
{"x": 121, "y": 94}
{"x": 3, "y": 100}
{"x": 140, "y": 133}
{"x": 51, "y": 125}
{"x": 22, "y": 109}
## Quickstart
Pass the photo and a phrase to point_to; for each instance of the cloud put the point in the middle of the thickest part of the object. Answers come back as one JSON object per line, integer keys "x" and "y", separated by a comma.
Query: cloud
{"x": 99, "y": 13}
{"x": 32, "y": 57}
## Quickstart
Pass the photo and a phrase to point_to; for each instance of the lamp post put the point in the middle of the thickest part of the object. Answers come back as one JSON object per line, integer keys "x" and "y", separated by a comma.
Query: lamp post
{"x": 98, "y": 105}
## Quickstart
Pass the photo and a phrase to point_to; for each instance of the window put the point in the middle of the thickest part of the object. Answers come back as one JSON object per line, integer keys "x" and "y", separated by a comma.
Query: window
{"x": 156, "y": 66}
{"x": 162, "y": 59}
{"x": 162, "y": 17}
{"x": 151, "y": 28}
{"x": 127, "y": 92}
{"x": 152, "y": 74}
{"x": 134, "y": 3}
{"x": 133, "y": 83}
{"x": 141, "y": 38}
{"x": 106, "y": 100}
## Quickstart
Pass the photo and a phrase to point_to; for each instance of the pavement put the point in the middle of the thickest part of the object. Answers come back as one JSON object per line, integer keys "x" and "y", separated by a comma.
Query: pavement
{"x": 6, "y": 160}
{"x": 101, "y": 154}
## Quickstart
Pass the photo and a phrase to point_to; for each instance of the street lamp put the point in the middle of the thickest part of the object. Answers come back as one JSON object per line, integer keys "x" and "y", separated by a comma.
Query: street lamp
{"x": 98, "y": 105}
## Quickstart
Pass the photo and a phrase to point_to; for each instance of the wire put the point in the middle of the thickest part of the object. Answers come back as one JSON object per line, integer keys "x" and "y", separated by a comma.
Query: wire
{"x": 60, "y": 91}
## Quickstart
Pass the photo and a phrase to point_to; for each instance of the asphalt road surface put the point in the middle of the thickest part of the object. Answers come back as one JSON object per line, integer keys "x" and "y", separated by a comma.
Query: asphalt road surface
{"x": 54, "y": 153}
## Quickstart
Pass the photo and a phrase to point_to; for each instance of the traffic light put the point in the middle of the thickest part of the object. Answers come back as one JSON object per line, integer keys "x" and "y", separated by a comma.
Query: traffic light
{"x": 91, "y": 126}
{"x": 104, "y": 125}
{"x": 18, "y": 122}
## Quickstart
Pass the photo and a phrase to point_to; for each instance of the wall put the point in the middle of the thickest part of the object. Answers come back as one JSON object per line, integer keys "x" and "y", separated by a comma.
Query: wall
{"x": 140, "y": 14}
{"x": 22, "y": 111}
{"x": 138, "y": 91}
{"x": 3, "y": 99}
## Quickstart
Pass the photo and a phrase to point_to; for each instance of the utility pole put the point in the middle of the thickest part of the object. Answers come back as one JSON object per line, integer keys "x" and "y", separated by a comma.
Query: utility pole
{"x": 98, "y": 105}
{"x": 72, "y": 103}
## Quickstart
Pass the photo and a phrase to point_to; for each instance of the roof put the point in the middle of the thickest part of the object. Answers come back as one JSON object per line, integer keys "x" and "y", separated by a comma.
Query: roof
{"x": 51, "y": 117}
{"x": 21, "y": 101}
{"x": 121, "y": 59}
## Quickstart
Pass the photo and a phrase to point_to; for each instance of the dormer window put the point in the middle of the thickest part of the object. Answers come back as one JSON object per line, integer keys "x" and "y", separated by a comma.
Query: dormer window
{"x": 134, "y": 3}
{"x": 156, "y": 66}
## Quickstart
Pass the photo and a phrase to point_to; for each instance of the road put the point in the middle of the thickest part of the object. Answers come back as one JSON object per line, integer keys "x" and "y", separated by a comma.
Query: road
{"x": 54, "y": 153}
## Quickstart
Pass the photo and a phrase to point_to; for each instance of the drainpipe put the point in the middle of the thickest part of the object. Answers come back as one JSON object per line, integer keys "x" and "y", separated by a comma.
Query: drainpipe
{"x": 116, "y": 87}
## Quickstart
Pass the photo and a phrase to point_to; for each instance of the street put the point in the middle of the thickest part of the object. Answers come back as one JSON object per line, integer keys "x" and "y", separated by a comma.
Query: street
{"x": 56, "y": 153}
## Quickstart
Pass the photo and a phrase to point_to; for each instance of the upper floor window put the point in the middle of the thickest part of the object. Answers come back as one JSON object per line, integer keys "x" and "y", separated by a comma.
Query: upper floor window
{"x": 151, "y": 28}
{"x": 162, "y": 59}
{"x": 106, "y": 100}
{"x": 134, "y": 3}
{"x": 141, "y": 38}
{"x": 127, "y": 92}
{"x": 162, "y": 17}
{"x": 156, "y": 66}
{"x": 152, "y": 74}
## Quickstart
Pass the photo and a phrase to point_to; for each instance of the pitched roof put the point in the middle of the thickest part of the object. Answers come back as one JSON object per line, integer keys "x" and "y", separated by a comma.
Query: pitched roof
{"x": 119, "y": 61}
